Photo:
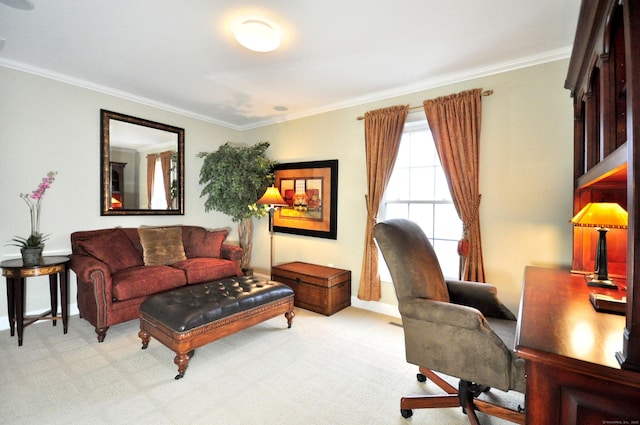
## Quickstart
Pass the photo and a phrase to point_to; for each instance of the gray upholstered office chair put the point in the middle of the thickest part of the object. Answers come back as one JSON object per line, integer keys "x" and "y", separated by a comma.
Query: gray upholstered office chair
{"x": 456, "y": 328}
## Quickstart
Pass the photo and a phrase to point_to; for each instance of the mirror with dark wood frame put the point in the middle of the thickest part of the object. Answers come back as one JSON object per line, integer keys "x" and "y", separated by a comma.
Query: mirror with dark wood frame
{"x": 142, "y": 166}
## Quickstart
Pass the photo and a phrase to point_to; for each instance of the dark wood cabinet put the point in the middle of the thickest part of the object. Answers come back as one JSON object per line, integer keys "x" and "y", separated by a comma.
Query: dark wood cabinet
{"x": 117, "y": 184}
{"x": 324, "y": 290}
{"x": 604, "y": 80}
{"x": 583, "y": 366}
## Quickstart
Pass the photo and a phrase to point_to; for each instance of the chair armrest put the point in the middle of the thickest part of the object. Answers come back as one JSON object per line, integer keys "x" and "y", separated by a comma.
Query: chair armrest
{"x": 442, "y": 313}
{"x": 456, "y": 340}
{"x": 481, "y": 296}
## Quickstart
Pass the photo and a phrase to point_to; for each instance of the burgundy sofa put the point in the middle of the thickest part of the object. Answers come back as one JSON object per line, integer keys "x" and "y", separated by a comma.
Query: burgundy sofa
{"x": 117, "y": 269}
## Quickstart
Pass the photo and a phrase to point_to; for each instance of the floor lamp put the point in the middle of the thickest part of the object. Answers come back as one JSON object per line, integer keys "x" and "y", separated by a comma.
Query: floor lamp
{"x": 272, "y": 198}
{"x": 603, "y": 216}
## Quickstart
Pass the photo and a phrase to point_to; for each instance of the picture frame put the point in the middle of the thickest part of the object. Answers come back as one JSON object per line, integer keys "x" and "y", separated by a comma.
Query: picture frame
{"x": 311, "y": 192}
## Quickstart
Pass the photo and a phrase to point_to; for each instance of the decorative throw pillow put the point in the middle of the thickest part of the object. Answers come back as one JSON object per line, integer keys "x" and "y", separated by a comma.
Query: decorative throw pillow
{"x": 113, "y": 248}
{"x": 161, "y": 245}
{"x": 203, "y": 243}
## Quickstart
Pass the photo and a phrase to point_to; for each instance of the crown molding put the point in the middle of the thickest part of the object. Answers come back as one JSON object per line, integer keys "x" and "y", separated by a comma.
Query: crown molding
{"x": 431, "y": 83}
{"x": 63, "y": 78}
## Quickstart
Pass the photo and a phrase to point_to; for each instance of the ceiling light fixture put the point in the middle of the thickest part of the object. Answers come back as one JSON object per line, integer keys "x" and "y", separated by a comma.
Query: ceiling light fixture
{"x": 19, "y": 4}
{"x": 258, "y": 35}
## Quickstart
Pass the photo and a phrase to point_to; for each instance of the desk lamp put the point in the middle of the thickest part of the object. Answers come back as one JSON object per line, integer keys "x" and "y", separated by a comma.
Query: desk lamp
{"x": 603, "y": 216}
{"x": 272, "y": 198}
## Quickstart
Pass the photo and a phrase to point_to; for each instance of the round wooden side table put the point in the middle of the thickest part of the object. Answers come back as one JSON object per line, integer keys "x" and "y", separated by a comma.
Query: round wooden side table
{"x": 16, "y": 273}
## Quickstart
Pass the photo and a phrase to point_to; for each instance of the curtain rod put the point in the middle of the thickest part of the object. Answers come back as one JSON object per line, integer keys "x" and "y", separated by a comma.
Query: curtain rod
{"x": 484, "y": 93}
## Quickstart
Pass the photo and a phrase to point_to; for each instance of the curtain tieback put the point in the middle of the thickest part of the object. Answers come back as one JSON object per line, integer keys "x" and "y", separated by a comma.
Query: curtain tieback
{"x": 464, "y": 244}
{"x": 472, "y": 218}
{"x": 463, "y": 247}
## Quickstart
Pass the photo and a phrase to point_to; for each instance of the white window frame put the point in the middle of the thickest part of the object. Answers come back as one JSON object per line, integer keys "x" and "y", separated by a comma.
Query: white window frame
{"x": 445, "y": 246}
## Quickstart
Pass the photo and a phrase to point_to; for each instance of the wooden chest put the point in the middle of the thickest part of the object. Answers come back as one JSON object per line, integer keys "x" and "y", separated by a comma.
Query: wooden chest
{"x": 324, "y": 290}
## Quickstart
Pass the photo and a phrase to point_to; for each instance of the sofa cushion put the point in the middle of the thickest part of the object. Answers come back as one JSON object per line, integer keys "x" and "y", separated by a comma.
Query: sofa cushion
{"x": 199, "y": 270}
{"x": 140, "y": 281}
{"x": 200, "y": 242}
{"x": 161, "y": 245}
{"x": 113, "y": 248}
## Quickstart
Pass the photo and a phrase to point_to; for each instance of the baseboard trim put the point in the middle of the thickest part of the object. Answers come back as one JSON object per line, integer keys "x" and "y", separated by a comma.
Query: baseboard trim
{"x": 376, "y": 307}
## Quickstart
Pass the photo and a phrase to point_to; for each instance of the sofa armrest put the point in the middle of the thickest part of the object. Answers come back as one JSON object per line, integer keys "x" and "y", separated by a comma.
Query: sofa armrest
{"x": 95, "y": 290}
{"x": 481, "y": 296}
{"x": 84, "y": 266}
{"x": 91, "y": 271}
{"x": 231, "y": 252}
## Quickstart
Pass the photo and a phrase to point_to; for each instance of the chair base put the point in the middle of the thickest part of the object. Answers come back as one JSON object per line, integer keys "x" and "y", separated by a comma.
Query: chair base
{"x": 465, "y": 397}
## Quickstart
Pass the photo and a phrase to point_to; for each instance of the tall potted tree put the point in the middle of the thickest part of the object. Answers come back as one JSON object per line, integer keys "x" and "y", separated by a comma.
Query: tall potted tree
{"x": 234, "y": 178}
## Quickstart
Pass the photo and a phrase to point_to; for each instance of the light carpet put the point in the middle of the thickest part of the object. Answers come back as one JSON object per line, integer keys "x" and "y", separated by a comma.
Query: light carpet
{"x": 345, "y": 369}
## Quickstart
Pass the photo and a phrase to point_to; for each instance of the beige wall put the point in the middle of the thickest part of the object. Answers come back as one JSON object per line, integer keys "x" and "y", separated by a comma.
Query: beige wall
{"x": 48, "y": 125}
{"x": 526, "y": 172}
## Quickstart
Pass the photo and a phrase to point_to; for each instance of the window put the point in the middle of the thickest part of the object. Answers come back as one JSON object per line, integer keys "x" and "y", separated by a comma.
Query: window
{"x": 418, "y": 191}
{"x": 158, "y": 197}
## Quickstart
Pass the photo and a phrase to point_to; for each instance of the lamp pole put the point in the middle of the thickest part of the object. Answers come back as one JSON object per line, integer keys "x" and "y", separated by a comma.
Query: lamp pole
{"x": 273, "y": 199}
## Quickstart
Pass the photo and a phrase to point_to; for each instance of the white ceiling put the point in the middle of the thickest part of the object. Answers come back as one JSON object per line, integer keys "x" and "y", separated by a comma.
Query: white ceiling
{"x": 181, "y": 56}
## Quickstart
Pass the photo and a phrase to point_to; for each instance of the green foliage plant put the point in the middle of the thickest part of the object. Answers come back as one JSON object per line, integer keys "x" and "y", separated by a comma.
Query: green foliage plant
{"x": 233, "y": 178}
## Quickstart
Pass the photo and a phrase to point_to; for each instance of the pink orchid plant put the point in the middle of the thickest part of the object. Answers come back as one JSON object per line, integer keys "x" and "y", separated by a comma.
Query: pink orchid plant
{"x": 33, "y": 200}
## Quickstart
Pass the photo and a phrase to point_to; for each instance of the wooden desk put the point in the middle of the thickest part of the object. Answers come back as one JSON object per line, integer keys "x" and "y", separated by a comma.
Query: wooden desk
{"x": 573, "y": 376}
{"x": 16, "y": 274}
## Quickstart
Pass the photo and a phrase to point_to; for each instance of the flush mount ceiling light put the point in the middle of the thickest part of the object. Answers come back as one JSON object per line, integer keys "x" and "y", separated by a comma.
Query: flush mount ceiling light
{"x": 18, "y": 4}
{"x": 257, "y": 34}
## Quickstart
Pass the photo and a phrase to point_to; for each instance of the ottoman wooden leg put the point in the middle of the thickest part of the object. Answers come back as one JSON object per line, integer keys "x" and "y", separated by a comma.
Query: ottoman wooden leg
{"x": 289, "y": 315}
{"x": 182, "y": 361}
{"x": 145, "y": 337}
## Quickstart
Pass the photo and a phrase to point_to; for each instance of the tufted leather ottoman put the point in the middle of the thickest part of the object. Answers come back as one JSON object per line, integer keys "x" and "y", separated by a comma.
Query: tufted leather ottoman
{"x": 192, "y": 316}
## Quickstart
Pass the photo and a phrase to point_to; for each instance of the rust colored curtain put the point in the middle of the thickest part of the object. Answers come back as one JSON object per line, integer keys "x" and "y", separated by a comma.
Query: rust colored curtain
{"x": 382, "y": 131}
{"x": 165, "y": 163}
{"x": 455, "y": 124}
{"x": 151, "y": 170}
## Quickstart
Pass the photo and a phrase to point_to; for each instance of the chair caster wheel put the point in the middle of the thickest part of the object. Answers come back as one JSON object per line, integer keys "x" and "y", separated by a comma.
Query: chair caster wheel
{"x": 406, "y": 413}
{"x": 421, "y": 378}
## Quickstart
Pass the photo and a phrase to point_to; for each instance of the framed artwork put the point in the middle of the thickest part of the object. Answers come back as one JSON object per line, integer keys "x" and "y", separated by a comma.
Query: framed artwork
{"x": 310, "y": 190}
